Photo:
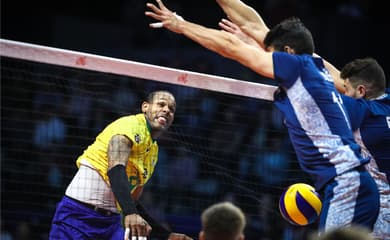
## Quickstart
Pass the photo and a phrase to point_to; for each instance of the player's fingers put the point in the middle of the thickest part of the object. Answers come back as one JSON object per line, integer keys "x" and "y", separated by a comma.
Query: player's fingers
{"x": 134, "y": 233}
{"x": 148, "y": 229}
{"x": 225, "y": 27}
{"x": 161, "y": 5}
{"x": 127, "y": 233}
{"x": 154, "y": 8}
{"x": 229, "y": 24}
{"x": 154, "y": 15}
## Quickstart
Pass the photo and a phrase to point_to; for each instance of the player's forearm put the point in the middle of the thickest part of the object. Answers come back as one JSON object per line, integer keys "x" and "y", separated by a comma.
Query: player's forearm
{"x": 335, "y": 73}
{"x": 229, "y": 46}
{"x": 238, "y": 12}
{"x": 214, "y": 40}
{"x": 121, "y": 189}
{"x": 246, "y": 18}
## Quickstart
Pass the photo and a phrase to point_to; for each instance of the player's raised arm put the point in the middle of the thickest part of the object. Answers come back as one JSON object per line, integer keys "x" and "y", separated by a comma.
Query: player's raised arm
{"x": 335, "y": 73}
{"x": 244, "y": 16}
{"x": 233, "y": 28}
{"x": 221, "y": 42}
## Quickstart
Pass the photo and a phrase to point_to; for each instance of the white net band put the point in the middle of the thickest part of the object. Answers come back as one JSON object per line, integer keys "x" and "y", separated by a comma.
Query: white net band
{"x": 43, "y": 54}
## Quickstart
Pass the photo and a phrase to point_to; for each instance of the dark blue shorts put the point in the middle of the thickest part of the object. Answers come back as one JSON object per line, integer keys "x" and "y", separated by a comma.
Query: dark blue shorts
{"x": 73, "y": 220}
{"x": 352, "y": 198}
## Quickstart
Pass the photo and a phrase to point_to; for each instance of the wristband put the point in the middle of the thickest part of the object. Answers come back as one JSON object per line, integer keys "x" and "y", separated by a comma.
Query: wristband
{"x": 121, "y": 188}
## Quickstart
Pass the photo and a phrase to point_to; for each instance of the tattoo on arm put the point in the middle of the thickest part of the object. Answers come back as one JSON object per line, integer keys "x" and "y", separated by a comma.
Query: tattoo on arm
{"x": 119, "y": 149}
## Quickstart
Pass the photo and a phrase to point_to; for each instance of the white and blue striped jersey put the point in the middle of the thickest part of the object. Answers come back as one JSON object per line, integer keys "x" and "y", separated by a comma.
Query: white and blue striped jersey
{"x": 370, "y": 122}
{"x": 316, "y": 118}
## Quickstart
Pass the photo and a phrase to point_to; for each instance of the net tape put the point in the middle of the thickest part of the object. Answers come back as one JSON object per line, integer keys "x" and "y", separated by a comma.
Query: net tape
{"x": 87, "y": 61}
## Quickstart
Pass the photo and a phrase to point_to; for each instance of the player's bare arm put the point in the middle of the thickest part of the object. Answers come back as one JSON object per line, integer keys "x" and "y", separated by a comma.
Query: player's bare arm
{"x": 231, "y": 27}
{"x": 246, "y": 18}
{"x": 335, "y": 73}
{"x": 119, "y": 150}
{"x": 222, "y": 42}
{"x": 246, "y": 23}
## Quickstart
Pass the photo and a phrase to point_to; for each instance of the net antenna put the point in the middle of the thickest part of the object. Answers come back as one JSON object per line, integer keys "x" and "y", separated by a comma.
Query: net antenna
{"x": 68, "y": 58}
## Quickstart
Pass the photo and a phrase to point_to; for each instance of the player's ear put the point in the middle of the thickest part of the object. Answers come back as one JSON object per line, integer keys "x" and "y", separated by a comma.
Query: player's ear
{"x": 144, "y": 107}
{"x": 361, "y": 91}
{"x": 288, "y": 49}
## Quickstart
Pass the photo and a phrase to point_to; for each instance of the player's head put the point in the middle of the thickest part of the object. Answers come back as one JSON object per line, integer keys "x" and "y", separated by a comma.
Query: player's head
{"x": 363, "y": 78}
{"x": 291, "y": 36}
{"x": 159, "y": 109}
{"x": 353, "y": 232}
{"x": 222, "y": 221}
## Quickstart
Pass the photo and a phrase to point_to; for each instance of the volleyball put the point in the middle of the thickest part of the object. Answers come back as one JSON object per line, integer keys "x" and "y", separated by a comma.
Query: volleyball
{"x": 300, "y": 204}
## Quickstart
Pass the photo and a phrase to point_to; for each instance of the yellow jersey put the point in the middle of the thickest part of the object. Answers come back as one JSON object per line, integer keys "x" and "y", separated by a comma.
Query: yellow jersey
{"x": 144, "y": 151}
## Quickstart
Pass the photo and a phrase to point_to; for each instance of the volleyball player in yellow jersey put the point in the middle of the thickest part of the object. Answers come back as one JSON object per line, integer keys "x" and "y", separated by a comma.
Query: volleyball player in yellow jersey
{"x": 119, "y": 162}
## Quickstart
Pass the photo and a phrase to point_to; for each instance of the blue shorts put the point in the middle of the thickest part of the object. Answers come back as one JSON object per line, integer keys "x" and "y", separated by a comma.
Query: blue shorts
{"x": 73, "y": 220}
{"x": 352, "y": 198}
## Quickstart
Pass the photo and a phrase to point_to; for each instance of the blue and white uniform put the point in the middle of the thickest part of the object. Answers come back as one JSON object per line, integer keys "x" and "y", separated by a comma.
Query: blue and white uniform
{"x": 370, "y": 122}
{"x": 321, "y": 135}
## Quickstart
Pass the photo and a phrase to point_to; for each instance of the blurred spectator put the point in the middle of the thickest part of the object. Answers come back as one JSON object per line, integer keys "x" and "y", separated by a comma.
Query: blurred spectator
{"x": 345, "y": 233}
{"x": 272, "y": 165}
{"x": 23, "y": 231}
{"x": 183, "y": 168}
{"x": 79, "y": 105}
{"x": 222, "y": 221}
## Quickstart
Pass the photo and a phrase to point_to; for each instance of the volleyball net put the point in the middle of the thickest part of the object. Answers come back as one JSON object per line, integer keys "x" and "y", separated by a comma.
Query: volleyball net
{"x": 227, "y": 142}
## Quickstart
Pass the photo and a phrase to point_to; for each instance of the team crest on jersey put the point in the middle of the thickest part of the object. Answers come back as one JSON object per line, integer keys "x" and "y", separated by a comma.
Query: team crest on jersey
{"x": 137, "y": 138}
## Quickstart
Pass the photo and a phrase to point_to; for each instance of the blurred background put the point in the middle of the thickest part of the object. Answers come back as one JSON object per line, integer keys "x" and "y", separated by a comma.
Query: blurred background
{"x": 342, "y": 29}
{"x": 221, "y": 146}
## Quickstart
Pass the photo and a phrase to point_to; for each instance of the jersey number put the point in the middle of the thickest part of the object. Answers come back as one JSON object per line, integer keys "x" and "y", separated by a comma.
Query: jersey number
{"x": 337, "y": 99}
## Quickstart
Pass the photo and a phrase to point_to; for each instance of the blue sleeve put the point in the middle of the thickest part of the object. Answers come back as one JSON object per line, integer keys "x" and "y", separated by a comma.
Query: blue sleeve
{"x": 286, "y": 68}
{"x": 356, "y": 110}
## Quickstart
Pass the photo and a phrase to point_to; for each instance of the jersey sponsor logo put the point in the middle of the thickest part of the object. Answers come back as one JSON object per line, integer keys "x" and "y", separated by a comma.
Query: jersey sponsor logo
{"x": 133, "y": 181}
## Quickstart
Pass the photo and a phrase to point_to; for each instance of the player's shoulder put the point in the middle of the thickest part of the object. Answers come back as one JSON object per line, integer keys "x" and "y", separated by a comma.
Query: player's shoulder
{"x": 379, "y": 106}
{"x": 134, "y": 118}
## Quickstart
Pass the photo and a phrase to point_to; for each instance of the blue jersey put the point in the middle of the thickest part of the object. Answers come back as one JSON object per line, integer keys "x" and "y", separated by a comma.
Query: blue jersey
{"x": 370, "y": 121}
{"x": 316, "y": 119}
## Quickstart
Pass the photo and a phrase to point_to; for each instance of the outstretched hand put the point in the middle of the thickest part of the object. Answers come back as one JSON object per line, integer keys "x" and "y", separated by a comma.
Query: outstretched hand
{"x": 166, "y": 17}
{"x": 231, "y": 27}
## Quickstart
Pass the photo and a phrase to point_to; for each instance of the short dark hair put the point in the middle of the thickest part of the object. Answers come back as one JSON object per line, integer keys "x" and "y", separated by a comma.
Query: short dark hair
{"x": 151, "y": 95}
{"x": 293, "y": 33}
{"x": 367, "y": 72}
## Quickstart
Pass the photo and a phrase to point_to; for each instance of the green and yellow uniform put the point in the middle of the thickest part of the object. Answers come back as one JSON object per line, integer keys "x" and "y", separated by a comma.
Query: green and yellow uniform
{"x": 144, "y": 150}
